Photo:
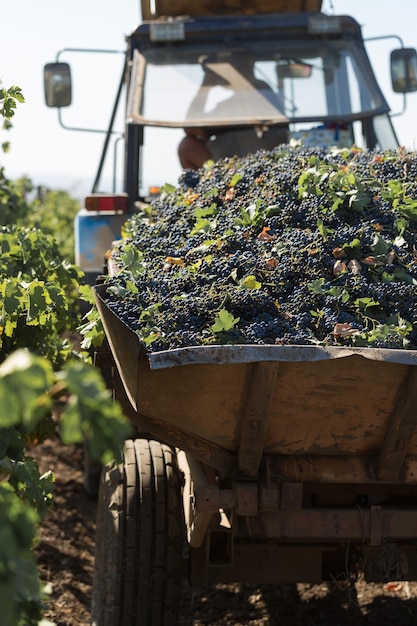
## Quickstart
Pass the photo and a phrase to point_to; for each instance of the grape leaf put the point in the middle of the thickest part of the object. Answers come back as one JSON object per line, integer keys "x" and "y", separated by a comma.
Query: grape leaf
{"x": 224, "y": 321}
{"x": 250, "y": 282}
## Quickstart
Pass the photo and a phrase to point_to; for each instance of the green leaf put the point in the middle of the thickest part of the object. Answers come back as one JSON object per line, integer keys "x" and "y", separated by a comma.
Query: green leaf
{"x": 353, "y": 249}
{"x": 395, "y": 327}
{"x": 148, "y": 336}
{"x": 211, "y": 193}
{"x": 20, "y": 587}
{"x": 355, "y": 244}
{"x": 366, "y": 303}
{"x": 359, "y": 198}
{"x": 86, "y": 294}
{"x": 322, "y": 229}
{"x": 250, "y": 282}
{"x": 92, "y": 331}
{"x": 380, "y": 247}
{"x": 236, "y": 178}
{"x": 39, "y": 301}
{"x": 338, "y": 200}
{"x": 13, "y": 296}
{"x": 404, "y": 277}
{"x": 224, "y": 321}
{"x": 202, "y": 225}
{"x": 244, "y": 219}
{"x": 8, "y": 100}
{"x": 167, "y": 188}
{"x": 132, "y": 258}
{"x": 316, "y": 286}
{"x": 91, "y": 414}
{"x": 279, "y": 248}
{"x": 131, "y": 287}
{"x": 148, "y": 314}
{"x": 35, "y": 489}
{"x": 25, "y": 380}
{"x": 211, "y": 210}
{"x": 251, "y": 214}
{"x": 409, "y": 208}
{"x": 119, "y": 291}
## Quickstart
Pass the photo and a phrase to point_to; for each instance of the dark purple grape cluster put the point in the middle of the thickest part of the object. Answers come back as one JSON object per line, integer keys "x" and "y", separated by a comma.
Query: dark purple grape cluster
{"x": 292, "y": 246}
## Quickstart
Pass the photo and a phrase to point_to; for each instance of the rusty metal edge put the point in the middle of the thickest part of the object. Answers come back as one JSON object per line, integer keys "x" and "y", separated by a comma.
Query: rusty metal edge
{"x": 251, "y": 353}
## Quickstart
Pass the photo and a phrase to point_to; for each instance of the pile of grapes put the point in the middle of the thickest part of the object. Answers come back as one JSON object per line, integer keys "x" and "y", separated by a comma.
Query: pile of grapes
{"x": 293, "y": 246}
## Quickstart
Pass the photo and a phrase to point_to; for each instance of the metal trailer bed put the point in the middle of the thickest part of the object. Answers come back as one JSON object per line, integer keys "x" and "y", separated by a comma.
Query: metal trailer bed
{"x": 296, "y": 463}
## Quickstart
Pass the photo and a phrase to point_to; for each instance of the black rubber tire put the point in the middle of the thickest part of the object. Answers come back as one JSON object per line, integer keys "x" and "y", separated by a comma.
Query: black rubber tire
{"x": 137, "y": 572}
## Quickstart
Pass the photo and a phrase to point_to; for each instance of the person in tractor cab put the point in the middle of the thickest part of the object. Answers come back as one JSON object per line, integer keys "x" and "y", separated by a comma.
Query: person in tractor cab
{"x": 193, "y": 150}
{"x": 248, "y": 93}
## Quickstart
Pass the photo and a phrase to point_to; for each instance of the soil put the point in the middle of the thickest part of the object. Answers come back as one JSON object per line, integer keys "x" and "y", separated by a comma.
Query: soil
{"x": 66, "y": 561}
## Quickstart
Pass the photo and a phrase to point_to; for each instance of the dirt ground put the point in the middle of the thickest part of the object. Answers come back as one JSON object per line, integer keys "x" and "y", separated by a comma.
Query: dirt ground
{"x": 66, "y": 561}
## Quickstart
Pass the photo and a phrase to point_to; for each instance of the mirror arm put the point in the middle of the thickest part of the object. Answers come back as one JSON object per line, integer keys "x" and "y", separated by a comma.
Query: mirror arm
{"x": 84, "y": 130}
{"x": 400, "y": 41}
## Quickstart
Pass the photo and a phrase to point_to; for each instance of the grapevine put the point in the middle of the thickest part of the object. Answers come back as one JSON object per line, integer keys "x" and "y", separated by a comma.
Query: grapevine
{"x": 39, "y": 370}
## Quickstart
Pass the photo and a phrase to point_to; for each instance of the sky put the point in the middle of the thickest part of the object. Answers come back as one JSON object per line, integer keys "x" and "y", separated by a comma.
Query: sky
{"x": 33, "y": 33}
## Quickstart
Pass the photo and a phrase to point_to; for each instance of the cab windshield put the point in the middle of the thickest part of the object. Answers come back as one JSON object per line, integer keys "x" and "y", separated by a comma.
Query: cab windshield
{"x": 267, "y": 85}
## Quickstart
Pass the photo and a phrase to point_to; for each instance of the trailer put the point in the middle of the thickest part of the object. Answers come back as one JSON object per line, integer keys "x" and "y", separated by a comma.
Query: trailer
{"x": 255, "y": 464}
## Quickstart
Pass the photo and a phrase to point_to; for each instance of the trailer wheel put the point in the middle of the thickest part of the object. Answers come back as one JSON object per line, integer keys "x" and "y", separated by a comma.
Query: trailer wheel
{"x": 137, "y": 571}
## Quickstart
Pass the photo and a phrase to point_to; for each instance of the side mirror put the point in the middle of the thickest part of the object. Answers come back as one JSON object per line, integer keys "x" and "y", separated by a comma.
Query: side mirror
{"x": 57, "y": 84}
{"x": 404, "y": 70}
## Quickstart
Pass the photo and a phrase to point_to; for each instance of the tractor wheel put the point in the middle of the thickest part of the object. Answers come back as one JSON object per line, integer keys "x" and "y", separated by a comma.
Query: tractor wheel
{"x": 137, "y": 572}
